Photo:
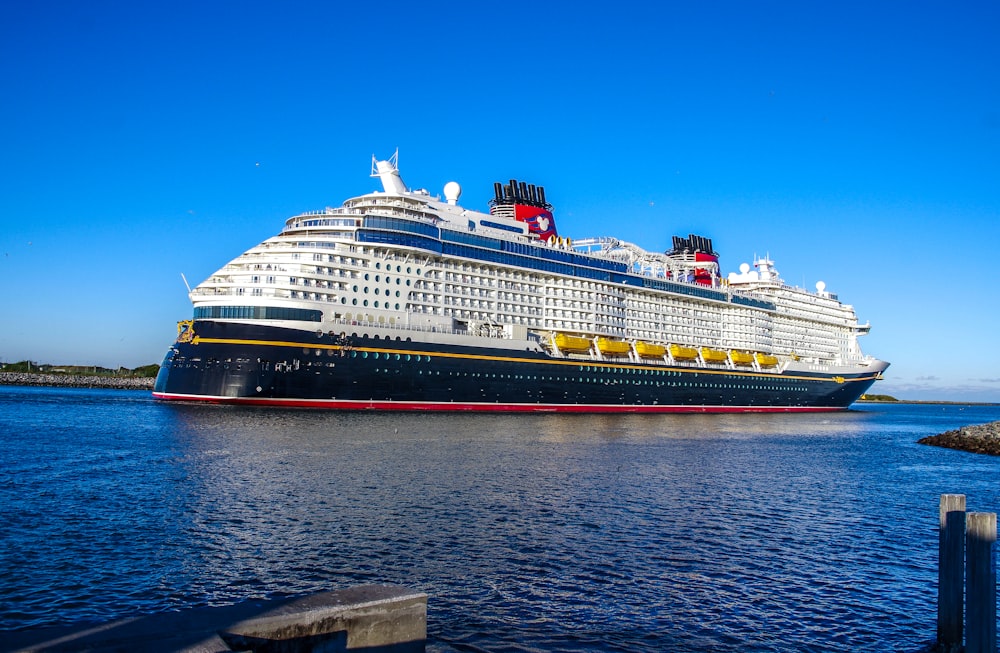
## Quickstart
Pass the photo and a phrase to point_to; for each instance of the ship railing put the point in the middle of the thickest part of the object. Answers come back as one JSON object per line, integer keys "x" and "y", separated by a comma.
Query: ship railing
{"x": 423, "y": 328}
{"x": 331, "y": 211}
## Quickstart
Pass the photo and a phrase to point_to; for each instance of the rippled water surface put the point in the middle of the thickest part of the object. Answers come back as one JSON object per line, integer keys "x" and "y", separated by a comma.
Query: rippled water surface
{"x": 548, "y": 533}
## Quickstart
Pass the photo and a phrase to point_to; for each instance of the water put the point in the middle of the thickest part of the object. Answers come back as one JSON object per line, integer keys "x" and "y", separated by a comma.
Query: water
{"x": 538, "y": 533}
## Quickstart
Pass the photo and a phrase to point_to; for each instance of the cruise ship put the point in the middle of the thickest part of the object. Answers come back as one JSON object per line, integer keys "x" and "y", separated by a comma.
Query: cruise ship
{"x": 401, "y": 300}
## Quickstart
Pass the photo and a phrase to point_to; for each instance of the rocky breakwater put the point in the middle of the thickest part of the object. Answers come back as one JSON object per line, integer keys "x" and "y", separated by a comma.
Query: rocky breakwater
{"x": 979, "y": 438}
{"x": 77, "y": 381}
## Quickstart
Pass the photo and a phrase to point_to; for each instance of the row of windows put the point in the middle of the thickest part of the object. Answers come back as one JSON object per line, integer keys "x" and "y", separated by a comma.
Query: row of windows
{"x": 374, "y": 355}
{"x": 504, "y": 227}
{"x": 396, "y": 224}
{"x": 754, "y": 303}
{"x": 629, "y": 371}
{"x": 550, "y": 254}
{"x": 584, "y": 379}
{"x": 354, "y": 302}
{"x": 257, "y": 313}
{"x": 527, "y": 256}
{"x": 399, "y": 268}
{"x": 336, "y": 222}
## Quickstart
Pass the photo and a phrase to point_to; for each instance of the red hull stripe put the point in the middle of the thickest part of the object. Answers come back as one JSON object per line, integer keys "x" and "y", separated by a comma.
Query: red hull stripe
{"x": 336, "y": 404}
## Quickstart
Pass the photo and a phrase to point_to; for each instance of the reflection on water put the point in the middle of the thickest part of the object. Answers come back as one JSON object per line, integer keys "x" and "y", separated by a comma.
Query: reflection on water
{"x": 529, "y": 532}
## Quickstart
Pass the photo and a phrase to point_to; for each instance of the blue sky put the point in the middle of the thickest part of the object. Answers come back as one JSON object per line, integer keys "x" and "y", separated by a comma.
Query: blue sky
{"x": 856, "y": 143}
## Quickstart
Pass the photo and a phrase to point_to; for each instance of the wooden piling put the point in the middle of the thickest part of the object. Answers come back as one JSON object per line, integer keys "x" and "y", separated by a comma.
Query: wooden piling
{"x": 980, "y": 584}
{"x": 951, "y": 571}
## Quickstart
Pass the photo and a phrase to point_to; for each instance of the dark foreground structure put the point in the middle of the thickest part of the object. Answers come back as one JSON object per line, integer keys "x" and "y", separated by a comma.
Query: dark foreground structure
{"x": 369, "y": 618}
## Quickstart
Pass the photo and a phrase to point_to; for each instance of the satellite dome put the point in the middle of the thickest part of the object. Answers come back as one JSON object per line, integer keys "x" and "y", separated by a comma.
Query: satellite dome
{"x": 820, "y": 286}
{"x": 452, "y": 191}
{"x": 744, "y": 267}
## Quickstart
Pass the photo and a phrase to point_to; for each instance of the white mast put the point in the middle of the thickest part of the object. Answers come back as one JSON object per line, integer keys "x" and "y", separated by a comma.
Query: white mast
{"x": 388, "y": 172}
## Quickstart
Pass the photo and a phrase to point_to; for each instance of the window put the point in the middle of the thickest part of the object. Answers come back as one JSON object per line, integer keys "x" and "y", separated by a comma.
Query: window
{"x": 257, "y": 313}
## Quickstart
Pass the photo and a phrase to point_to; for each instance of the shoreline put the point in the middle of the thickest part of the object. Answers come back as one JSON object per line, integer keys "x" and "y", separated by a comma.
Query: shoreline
{"x": 77, "y": 381}
{"x": 929, "y": 402}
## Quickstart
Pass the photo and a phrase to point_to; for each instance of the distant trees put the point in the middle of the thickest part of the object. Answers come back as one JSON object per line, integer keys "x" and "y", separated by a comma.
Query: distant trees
{"x": 878, "y": 398}
{"x": 23, "y": 366}
{"x": 146, "y": 371}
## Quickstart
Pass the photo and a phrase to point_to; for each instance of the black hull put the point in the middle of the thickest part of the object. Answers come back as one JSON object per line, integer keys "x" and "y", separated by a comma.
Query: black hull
{"x": 264, "y": 365}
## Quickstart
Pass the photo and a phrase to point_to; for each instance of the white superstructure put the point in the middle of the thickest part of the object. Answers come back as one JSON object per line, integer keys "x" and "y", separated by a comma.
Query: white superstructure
{"x": 404, "y": 260}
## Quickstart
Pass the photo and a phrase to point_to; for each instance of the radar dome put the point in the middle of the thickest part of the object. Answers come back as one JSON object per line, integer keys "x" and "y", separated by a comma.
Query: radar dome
{"x": 452, "y": 191}
{"x": 744, "y": 267}
{"x": 820, "y": 286}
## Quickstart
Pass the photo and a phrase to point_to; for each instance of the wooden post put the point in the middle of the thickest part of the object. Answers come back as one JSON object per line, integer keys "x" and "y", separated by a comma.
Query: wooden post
{"x": 951, "y": 571}
{"x": 981, "y": 584}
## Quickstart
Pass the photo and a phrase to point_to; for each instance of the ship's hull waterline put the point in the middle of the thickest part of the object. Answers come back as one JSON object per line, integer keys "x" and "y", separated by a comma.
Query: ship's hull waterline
{"x": 266, "y": 366}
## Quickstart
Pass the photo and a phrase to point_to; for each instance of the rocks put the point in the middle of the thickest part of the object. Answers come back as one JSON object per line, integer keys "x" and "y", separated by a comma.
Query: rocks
{"x": 979, "y": 438}
{"x": 77, "y": 381}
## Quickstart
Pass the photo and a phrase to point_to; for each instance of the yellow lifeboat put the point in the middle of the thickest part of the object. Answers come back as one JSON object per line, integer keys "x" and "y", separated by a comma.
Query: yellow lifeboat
{"x": 741, "y": 357}
{"x": 572, "y": 343}
{"x": 683, "y": 353}
{"x": 766, "y": 360}
{"x": 609, "y": 346}
{"x": 713, "y": 355}
{"x": 647, "y": 350}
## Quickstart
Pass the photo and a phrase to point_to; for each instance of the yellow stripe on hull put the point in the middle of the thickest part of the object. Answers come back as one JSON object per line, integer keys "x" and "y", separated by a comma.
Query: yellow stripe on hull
{"x": 516, "y": 359}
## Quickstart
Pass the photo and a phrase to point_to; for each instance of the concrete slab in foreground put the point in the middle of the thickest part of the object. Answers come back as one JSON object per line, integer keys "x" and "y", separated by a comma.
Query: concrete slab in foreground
{"x": 365, "y": 619}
